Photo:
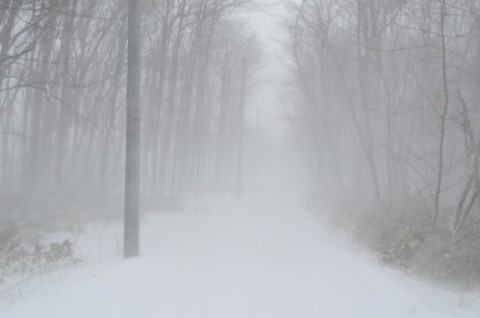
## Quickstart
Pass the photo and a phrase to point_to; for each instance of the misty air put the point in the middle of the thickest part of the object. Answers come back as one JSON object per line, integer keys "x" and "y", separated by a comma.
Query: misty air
{"x": 239, "y": 158}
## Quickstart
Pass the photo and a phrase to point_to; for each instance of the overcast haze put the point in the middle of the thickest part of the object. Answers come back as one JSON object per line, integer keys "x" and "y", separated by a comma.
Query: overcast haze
{"x": 239, "y": 158}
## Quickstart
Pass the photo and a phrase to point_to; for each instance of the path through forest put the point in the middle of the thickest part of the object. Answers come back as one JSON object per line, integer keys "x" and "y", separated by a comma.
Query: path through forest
{"x": 257, "y": 257}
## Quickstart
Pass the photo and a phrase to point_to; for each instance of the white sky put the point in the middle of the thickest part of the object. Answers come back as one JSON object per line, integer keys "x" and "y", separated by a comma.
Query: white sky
{"x": 266, "y": 22}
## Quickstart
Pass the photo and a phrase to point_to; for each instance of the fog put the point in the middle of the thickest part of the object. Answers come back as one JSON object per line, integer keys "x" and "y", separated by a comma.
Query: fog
{"x": 213, "y": 158}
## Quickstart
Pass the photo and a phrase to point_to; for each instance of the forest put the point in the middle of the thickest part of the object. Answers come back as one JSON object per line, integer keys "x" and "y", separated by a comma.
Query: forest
{"x": 147, "y": 127}
{"x": 63, "y": 84}
{"x": 384, "y": 95}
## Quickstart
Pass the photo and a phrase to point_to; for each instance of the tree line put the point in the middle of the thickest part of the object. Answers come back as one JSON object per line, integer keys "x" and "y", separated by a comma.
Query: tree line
{"x": 63, "y": 95}
{"x": 384, "y": 95}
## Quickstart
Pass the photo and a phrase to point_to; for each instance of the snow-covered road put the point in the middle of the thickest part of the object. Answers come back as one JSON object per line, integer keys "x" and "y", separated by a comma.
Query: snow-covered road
{"x": 254, "y": 258}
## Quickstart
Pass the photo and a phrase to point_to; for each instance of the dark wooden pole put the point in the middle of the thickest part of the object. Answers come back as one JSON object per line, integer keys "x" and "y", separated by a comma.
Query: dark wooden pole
{"x": 132, "y": 161}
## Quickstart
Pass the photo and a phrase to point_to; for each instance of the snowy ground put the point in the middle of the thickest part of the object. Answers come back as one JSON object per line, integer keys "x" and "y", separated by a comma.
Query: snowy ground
{"x": 258, "y": 257}
{"x": 262, "y": 256}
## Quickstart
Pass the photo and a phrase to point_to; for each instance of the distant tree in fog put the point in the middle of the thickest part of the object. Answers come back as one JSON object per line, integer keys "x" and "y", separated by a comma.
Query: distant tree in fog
{"x": 63, "y": 80}
{"x": 372, "y": 91}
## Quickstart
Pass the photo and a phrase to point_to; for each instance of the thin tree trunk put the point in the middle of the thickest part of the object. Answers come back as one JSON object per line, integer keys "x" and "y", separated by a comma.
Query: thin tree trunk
{"x": 443, "y": 116}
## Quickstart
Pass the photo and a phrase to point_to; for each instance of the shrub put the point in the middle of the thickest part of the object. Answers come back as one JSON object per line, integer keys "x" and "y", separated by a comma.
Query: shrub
{"x": 400, "y": 235}
{"x": 29, "y": 255}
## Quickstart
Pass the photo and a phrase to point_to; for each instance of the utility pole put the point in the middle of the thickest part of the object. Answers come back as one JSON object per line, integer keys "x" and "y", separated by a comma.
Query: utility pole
{"x": 243, "y": 93}
{"x": 131, "y": 247}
